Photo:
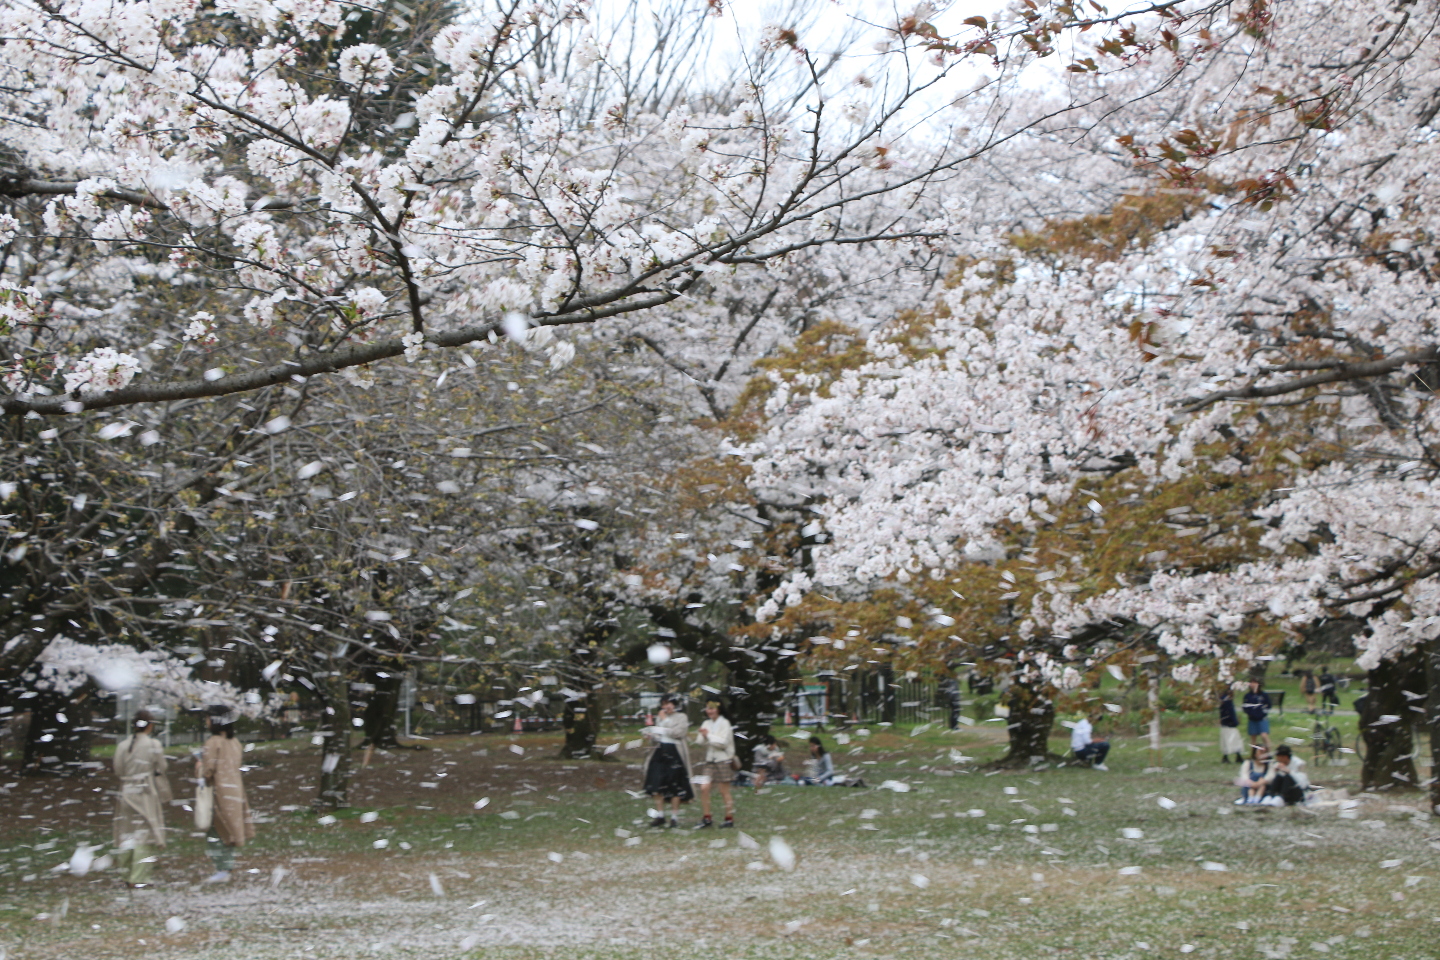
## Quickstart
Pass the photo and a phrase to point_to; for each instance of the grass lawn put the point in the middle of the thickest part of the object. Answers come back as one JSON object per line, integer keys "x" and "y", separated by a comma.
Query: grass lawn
{"x": 1060, "y": 862}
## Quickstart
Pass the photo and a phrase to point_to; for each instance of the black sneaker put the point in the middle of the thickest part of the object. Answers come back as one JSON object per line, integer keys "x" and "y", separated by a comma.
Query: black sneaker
{"x": 657, "y": 821}
{"x": 704, "y": 824}
{"x": 674, "y": 824}
{"x": 728, "y": 823}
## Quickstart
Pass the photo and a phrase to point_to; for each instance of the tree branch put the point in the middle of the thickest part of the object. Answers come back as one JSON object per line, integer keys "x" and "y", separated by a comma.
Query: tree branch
{"x": 350, "y": 356}
{"x": 1339, "y": 373}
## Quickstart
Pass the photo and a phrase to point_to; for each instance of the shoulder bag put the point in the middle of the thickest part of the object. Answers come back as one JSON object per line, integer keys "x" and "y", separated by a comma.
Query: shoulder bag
{"x": 204, "y": 805}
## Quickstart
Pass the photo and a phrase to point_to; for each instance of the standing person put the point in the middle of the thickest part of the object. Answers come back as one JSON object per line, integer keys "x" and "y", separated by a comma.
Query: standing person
{"x": 1329, "y": 688}
{"x": 139, "y": 806}
{"x": 717, "y": 736}
{"x": 820, "y": 768}
{"x": 769, "y": 761}
{"x": 1310, "y": 688}
{"x": 667, "y": 765}
{"x": 1230, "y": 742}
{"x": 219, "y": 766}
{"x": 1085, "y": 746}
{"x": 1257, "y": 712}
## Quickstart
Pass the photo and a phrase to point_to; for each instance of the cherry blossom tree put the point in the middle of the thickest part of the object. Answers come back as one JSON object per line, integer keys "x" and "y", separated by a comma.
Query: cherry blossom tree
{"x": 317, "y": 204}
{"x": 1275, "y": 320}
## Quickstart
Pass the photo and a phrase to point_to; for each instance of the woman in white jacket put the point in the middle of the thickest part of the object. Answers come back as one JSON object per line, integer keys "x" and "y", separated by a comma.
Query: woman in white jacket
{"x": 717, "y": 736}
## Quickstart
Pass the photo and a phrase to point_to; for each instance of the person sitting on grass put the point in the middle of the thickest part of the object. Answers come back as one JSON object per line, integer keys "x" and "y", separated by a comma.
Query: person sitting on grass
{"x": 1084, "y": 745}
{"x": 820, "y": 768}
{"x": 769, "y": 761}
{"x": 1255, "y": 775}
{"x": 1287, "y": 779}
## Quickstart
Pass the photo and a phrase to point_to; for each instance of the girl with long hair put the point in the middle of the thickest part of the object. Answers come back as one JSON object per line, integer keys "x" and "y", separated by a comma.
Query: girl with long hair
{"x": 219, "y": 766}
{"x": 667, "y": 765}
{"x": 140, "y": 805}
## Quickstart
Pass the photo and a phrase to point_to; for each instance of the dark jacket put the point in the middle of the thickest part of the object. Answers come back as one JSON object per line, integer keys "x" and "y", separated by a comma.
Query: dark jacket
{"x": 1227, "y": 713}
{"x": 1257, "y": 705}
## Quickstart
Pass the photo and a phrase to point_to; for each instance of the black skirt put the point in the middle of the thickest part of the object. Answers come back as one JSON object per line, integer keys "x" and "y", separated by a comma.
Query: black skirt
{"x": 665, "y": 776}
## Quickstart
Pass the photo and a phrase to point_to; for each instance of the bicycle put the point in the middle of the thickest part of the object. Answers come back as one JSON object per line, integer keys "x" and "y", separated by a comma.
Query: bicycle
{"x": 1325, "y": 736}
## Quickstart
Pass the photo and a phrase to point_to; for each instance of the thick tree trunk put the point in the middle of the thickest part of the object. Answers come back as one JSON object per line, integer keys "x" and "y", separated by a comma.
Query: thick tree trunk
{"x": 1152, "y": 698}
{"x": 756, "y": 687}
{"x": 335, "y": 764}
{"x": 1390, "y": 743}
{"x": 1032, "y": 717}
{"x": 58, "y": 738}
{"x": 1432, "y": 717}
{"x": 582, "y": 727}
{"x": 760, "y": 679}
{"x": 383, "y": 705}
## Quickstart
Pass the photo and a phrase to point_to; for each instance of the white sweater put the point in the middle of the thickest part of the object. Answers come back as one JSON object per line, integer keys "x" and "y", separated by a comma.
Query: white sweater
{"x": 718, "y": 738}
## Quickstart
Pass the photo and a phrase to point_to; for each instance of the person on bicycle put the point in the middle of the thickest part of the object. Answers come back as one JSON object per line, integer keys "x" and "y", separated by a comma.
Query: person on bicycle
{"x": 1257, "y": 711}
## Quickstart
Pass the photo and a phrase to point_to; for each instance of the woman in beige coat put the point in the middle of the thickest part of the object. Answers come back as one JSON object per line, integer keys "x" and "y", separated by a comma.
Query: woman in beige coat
{"x": 667, "y": 765}
{"x": 140, "y": 805}
{"x": 219, "y": 766}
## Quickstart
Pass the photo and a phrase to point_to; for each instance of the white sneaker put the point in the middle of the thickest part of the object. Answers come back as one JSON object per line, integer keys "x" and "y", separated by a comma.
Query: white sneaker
{"x": 1099, "y": 766}
{"x": 220, "y": 876}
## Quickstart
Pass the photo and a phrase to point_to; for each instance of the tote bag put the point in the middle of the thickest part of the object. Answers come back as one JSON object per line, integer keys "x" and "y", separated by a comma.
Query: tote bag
{"x": 204, "y": 806}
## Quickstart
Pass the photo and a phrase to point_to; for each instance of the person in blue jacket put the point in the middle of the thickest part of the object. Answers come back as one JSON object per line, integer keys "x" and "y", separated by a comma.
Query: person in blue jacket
{"x": 1257, "y": 711}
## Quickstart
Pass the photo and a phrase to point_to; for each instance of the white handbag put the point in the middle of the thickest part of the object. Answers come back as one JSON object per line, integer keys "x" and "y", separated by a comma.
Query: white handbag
{"x": 204, "y": 806}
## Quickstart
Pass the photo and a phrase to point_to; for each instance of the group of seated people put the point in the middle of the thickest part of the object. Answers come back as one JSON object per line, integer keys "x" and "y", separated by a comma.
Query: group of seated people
{"x": 770, "y": 766}
{"x": 1273, "y": 782}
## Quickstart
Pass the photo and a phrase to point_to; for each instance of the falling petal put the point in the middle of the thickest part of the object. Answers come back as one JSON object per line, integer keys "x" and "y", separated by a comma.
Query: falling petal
{"x": 782, "y": 853}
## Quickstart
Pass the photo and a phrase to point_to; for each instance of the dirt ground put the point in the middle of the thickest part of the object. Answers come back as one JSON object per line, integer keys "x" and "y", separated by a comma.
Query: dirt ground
{"x": 447, "y": 774}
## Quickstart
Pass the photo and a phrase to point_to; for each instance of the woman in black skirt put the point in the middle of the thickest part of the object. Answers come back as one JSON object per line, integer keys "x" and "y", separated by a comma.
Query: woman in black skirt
{"x": 667, "y": 766}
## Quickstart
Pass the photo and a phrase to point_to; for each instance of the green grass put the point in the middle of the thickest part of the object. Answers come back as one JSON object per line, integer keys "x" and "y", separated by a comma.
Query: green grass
{"x": 879, "y": 874}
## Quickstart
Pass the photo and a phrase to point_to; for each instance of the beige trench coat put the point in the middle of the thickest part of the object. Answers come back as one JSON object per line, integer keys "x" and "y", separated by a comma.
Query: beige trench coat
{"x": 139, "y": 813}
{"x": 220, "y": 767}
{"x": 672, "y": 729}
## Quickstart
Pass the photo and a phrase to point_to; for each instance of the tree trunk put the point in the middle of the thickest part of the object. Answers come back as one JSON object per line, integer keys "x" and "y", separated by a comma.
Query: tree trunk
{"x": 756, "y": 686}
{"x": 582, "y": 727}
{"x": 57, "y": 740}
{"x": 335, "y": 765}
{"x": 1157, "y": 758}
{"x": 1032, "y": 717}
{"x": 1432, "y": 717}
{"x": 1390, "y": 746}
{"x": 383, "y": 705}
{"x": 759, "y": 677}
{"x": 888, "y": 704}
